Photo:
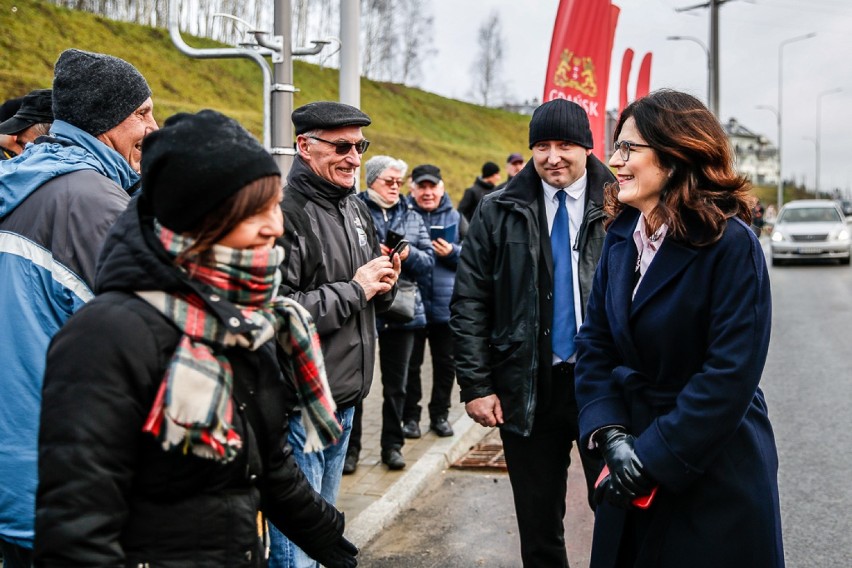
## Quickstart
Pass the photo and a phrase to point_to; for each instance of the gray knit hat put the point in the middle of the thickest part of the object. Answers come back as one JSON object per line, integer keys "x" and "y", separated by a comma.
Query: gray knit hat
{"x": 377, "y": 164}
{"x": 560, "y": 120}
{"x": 96, "y": 92}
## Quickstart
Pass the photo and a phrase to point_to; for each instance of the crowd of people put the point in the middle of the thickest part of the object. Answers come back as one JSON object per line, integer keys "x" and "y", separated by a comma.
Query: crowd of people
{"x": 189, "y": 336}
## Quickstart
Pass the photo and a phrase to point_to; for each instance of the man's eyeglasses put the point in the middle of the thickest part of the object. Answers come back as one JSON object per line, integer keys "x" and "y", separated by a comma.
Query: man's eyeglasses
{"x": 390, "y": 182}
{"x": 624, "y": 148}
{"x": 344, "y": 148}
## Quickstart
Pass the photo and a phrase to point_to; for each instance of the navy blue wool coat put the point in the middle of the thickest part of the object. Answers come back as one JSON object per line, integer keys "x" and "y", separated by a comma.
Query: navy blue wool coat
{"x": 679, "y": 367}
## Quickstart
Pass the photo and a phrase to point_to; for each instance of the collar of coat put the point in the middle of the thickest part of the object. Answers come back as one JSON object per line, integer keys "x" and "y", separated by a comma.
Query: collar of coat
{"x": 524, "y": 188}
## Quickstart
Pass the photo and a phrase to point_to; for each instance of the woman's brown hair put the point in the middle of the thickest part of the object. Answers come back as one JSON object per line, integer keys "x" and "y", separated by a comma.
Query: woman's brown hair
{"x": 703, "y": 189}
{"x": 250, "y": 200}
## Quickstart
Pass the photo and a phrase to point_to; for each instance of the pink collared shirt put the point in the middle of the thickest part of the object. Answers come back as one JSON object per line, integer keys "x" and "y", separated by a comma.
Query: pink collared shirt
{"x": 647, "y": 247}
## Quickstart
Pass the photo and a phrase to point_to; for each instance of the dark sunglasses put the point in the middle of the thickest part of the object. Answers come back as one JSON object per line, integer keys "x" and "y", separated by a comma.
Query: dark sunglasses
{"x": 344, "y": 148}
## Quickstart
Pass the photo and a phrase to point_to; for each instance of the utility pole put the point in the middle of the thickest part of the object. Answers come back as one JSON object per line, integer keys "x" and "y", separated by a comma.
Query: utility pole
{"x": 713, "y": 53}
{"x": 350, "y": 72}
{"x": 282, "y": 88}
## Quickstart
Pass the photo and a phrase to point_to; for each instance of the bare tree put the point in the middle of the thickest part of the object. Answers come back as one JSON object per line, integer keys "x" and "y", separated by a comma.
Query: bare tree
{"x": 487, "y": 66}
{"x": 378, "y": 38}
{"x": 416, "y": 40}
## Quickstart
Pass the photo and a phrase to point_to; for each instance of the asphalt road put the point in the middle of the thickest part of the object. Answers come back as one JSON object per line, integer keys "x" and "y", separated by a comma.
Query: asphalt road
{"x": 467, "y": 519}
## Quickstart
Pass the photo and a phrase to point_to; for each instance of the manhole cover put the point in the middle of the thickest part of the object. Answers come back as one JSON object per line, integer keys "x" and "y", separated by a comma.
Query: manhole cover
{"x": 486, "y": 455}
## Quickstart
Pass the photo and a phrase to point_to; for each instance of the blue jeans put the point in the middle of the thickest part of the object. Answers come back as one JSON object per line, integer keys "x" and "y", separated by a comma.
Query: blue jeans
{"x": 323, "y": 470}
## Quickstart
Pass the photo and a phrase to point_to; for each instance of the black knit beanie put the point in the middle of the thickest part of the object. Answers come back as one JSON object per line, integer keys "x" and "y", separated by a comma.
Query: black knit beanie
{"x": 560, "y": 119}
{"x": 96, "y": 92}
{"x": 195, "y": 162}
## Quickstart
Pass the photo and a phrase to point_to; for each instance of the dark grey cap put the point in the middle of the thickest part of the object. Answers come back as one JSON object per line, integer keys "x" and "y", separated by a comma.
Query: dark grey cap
{"x": 426, "y": 172}
{"x": 35, "y": 109}
{"x": 327, "y": 115}
{"x": 96, "y": 92}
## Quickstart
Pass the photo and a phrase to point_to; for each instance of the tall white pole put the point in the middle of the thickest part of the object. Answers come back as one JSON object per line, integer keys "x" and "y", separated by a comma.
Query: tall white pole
{"x": 780, "y": 108}
{"x": 818, "y": 133}
{"x": 350, "y": 69}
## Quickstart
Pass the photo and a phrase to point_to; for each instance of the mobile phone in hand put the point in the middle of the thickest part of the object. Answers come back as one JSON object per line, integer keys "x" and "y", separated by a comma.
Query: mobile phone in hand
{"x": 641, "y": 502}
{"x": 398, "y": 248}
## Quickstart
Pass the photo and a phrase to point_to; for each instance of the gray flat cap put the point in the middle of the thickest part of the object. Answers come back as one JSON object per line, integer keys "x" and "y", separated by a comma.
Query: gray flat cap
{"x": 326, "y": 115}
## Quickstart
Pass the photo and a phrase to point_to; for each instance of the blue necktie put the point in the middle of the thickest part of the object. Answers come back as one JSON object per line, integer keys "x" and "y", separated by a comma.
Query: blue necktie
{"x": 564, "y": 321}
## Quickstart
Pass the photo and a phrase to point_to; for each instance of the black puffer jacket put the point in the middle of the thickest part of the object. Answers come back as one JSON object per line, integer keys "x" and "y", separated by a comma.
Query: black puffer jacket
{"x": 108, "y": 494}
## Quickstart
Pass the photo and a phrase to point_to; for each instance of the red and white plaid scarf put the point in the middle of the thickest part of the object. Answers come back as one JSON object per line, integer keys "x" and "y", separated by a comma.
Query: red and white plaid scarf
{"x": 193, "y": 408}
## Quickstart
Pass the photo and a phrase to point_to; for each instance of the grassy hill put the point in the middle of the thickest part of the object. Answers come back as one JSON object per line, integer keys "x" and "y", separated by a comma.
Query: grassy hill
{"x": 408, "y": 123}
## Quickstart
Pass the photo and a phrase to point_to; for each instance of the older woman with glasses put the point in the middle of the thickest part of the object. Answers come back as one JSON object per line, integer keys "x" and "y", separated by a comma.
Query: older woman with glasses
{"x": 395, "y": 221}
{"x": 672, "y": 350}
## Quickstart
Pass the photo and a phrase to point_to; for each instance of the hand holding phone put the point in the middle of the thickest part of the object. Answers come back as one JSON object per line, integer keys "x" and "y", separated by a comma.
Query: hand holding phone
{"x": 641, "y": 502}
{"x": 400, "y": 246}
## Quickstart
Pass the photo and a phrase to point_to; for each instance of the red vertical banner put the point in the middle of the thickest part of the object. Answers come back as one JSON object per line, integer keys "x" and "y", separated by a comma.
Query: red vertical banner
{"x": 643, "y": 82}
{"x": 626, "y": 64}
{"x": 578, "y": 68}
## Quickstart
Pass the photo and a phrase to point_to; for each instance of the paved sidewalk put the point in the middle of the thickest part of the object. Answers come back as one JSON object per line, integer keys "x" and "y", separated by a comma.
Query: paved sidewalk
{"x": 373, "y": 496}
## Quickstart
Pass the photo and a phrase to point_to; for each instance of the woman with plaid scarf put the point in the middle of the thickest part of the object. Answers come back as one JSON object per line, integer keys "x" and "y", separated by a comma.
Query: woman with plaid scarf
{"x": 162, "y": 434}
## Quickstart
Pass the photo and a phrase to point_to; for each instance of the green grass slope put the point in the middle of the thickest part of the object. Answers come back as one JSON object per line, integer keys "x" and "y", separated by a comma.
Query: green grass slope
{"x": 411, "y": 124}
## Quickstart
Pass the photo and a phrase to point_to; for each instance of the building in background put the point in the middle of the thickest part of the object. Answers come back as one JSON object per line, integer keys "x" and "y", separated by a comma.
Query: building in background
{"x": 756, "y": 156}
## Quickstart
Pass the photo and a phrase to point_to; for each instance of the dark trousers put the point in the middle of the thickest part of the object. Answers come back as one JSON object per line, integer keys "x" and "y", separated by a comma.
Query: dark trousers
{"x": 16, "y": 556}
{"x": 443, "y": 373}
{"x": 394, "y": 353}
{"x": 538, "y": 471}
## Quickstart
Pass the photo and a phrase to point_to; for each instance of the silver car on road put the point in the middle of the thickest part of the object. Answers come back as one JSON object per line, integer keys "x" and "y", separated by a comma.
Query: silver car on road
{"x": 810, "y": 229}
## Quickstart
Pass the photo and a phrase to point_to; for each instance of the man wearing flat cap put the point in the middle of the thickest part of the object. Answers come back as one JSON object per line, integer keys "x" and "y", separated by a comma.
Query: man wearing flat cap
{"x": 524, "y": 277}
{"x": 334, "y": 268}
{"x": 32, "y": 119}
{"x": 58, "y": 199}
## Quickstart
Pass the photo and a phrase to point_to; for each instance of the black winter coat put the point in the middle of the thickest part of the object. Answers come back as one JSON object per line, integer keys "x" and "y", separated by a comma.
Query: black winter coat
{"x": 502, "y": 308}
{"x": 109, "y": 495}
{"x": 328, "y": 235}
{"x": 472, "y": 196}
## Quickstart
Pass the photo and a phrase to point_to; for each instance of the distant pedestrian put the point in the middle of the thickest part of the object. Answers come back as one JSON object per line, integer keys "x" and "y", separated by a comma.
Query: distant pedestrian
{"x": 514, "y": 164}
{"x": 394, "y": 217}
{"x": 482, "y": 186}
{"x": 525, "y": 273}
{"x": 58, "y": 199}
{"x": 33, "y": 119}
{"x": 431, "y": 201}
{"x": 162, "y": 451}
{"x": 335, "y": 269}
{"x": 672, "y": 350}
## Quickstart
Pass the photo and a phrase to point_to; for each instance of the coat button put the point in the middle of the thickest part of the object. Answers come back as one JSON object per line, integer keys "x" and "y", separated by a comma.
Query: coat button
{"x": 248, "y": 555}
{"x": 234, "y": 322}
{"x": 547, "y": 332}
{"x": 214, "y": 297}
{"x": 550, "y": 295}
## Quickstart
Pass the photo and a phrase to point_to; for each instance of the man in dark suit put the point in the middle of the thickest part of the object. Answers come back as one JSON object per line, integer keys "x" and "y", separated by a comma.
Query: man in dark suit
{"x": 525, "y": 274}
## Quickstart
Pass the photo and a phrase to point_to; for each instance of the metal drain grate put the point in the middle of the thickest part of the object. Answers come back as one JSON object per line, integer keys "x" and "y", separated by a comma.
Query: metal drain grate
{"x": 486, "y": 455}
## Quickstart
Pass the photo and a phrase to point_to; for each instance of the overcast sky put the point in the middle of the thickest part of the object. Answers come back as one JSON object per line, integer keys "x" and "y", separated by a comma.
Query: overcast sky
{"x": 750, "y": 34}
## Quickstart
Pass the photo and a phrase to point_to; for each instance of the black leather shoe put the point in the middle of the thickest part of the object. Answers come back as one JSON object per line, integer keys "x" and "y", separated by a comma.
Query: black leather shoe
{"x": 350, "y": 463}
{"x": 411, "y": 429}
{"x": 393, "y": 459}
{"x": 441, "y": 428}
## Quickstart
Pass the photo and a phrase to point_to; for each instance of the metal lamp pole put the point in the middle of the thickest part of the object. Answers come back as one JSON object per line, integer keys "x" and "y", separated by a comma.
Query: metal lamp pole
{"x": 709, "y": 69}
{"x": 818, "y": 131}
{"x": 780, "y": 107}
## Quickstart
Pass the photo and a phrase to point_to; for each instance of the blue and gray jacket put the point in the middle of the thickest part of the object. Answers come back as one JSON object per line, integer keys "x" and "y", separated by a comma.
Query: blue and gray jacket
{"x": 58, "y": 199}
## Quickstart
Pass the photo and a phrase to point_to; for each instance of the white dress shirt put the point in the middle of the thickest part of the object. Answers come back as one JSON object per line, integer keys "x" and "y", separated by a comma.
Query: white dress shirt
{"x": 576, "y": 204}
{"x": 647, "y": 247}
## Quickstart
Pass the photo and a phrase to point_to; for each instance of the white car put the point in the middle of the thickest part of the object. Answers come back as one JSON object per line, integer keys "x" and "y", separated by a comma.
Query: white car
{"x": 810, "y": 229}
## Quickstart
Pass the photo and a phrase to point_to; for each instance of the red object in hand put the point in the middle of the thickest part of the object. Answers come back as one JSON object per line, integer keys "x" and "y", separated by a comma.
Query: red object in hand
{"x": 642, "y": 502}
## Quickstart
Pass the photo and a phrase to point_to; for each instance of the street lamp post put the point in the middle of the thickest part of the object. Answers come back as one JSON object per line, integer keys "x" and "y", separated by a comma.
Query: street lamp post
{"x": 818, "y": 133}
{"x": 781, "y": 107}
{"x": 816, "y": 162}
{"x": 710, "y": 103}
{"x": 774, "y": 111}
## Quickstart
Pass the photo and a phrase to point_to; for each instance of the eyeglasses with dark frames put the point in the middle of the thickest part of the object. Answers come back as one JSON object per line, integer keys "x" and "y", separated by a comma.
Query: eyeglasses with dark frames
{"x": 623, "y": 148}
{"x": 344, "y": 148}
{"x": 390, "y": 182}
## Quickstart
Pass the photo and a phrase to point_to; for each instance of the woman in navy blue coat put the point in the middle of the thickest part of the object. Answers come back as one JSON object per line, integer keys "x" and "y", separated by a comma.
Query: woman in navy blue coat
{"x": 672, "y": 350}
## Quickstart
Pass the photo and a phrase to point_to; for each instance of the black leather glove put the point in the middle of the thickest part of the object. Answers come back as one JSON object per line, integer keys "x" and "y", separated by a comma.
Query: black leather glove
{"x": 627, "y": 478}
{"x": 341, "y": 554}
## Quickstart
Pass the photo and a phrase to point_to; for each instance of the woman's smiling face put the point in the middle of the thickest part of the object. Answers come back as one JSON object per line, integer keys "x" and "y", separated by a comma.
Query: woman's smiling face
{"x": 640, "y": 178}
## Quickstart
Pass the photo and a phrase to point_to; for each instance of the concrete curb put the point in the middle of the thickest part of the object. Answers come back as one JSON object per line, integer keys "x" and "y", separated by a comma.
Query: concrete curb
{"x": 369, "y": 523}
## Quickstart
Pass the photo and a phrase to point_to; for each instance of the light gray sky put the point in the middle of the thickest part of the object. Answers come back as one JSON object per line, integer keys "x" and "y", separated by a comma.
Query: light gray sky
{"x": 749, "y": 39}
